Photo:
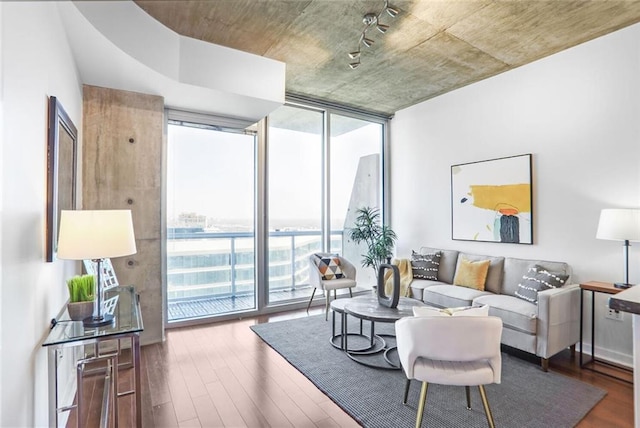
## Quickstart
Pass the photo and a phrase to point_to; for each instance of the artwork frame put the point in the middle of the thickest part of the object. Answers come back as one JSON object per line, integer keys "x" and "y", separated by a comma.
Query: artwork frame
{"x": 492, "y": 200}
{"x": 62, "y": 154}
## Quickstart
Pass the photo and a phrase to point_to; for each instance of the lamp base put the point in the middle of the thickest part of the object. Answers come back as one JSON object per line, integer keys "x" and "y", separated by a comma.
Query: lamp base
{"x": 99, "y": 321}
{"x": 622, "y": 285}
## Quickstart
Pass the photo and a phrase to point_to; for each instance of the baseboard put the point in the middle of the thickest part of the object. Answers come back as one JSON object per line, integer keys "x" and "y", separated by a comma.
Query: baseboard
{"x": 608, "y": 355}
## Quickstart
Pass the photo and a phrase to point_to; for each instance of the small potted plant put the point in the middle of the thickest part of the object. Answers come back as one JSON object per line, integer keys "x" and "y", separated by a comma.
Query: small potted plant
{"x": 379, "y": 239}
{"x": 81, "y": 296}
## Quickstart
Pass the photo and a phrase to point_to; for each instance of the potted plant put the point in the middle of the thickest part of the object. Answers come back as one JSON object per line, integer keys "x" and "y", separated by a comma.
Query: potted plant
{"x": 379, "y": 238}
{"x": 81, "y": 296}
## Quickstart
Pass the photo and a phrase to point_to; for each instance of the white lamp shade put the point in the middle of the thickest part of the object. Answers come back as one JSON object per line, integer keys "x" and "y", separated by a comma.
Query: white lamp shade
{"x": 95, "y": 234}
{"x": 619, "y": 224}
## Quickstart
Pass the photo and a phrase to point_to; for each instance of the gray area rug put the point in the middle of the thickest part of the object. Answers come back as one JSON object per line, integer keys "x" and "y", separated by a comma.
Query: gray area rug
{"x": 527, "y": 397}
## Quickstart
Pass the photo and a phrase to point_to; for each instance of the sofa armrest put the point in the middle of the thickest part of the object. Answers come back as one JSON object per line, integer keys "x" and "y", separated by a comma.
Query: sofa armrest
{"x": 558, "y": 319}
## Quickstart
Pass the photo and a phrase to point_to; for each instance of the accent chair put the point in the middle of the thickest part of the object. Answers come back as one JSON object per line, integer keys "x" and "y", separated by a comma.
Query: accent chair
{"x": 330, "y": 272}
{"x": 460, "y": 351}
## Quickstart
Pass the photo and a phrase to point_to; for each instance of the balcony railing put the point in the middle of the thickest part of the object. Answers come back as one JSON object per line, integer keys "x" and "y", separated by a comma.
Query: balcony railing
{"x": 220, "y": 265}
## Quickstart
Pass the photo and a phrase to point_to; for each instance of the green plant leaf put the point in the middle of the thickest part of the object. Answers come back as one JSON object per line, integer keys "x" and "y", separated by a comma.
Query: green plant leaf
{"x": 379, "y": 239}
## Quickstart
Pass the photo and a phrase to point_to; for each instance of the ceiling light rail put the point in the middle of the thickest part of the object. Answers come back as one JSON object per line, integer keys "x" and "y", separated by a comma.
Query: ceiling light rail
{"x": 371, "y": 20}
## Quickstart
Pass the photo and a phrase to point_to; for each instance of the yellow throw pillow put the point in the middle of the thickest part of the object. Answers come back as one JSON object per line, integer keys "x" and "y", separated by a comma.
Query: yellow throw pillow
{"x": 472, "y": 274}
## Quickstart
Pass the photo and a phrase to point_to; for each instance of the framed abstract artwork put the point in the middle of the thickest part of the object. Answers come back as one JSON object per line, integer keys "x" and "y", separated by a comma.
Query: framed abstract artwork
{"x": 491, "y": 200}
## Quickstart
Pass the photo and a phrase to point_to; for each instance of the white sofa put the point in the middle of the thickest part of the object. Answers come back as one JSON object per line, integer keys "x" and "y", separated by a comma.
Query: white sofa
{"x": 543, "y": 329}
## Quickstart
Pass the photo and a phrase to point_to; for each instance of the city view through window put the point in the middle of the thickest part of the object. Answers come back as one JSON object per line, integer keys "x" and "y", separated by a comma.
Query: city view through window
{"x": 211, "y": 194}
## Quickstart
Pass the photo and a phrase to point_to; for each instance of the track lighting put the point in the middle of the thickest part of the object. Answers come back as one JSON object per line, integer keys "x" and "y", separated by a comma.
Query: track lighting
{"x": 371, "y": 20}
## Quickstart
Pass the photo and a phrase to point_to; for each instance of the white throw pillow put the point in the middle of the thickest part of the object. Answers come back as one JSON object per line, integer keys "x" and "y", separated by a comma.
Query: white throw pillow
{"x": 463, "y": 311}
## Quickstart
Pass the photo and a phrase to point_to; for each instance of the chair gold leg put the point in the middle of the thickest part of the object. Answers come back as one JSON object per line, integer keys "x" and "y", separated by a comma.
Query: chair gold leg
{"x": 485, "y": 403}
{"x": 313, "y": 293}
{"x": 406, "y": 391}
{"x": 466, "y": 388}
{"x": 423, "y": 401}
{"x": 326, "y": 308}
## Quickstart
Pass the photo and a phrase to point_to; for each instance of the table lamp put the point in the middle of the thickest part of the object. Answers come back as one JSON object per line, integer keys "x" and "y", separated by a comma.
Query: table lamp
{"x": 96, "y": 235}
{"x": 620, "y": 225}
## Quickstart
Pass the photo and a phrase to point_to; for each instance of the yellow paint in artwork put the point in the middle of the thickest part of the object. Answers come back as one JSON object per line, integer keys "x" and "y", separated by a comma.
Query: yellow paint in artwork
{"x": 507, "y": 197}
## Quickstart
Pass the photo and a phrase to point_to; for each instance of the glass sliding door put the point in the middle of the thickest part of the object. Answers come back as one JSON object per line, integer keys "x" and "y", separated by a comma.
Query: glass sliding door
{"x": 355, "y": 182}
{"x": 210, "y": 208}
{"x": 294, "y": 164}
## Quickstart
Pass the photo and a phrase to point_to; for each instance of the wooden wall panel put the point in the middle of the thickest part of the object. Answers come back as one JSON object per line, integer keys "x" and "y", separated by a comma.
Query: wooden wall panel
{"x": 121, "y": 169}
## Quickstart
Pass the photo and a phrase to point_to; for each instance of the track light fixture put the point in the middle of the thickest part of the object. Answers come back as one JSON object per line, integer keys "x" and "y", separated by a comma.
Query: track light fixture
{"x": 371, "y": 20}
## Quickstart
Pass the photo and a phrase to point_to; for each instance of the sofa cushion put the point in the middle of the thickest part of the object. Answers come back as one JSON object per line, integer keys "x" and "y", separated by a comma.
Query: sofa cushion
{"x": 514, "y": 269}
{"x": 425, "y": 266}
{"x": 515, "y": 313}
{"x": 448, "y": 260}
{"x": 538, "y": 279}
{"x": 493, "y": 282}
{"x": 471, "y": 274}
{"x": 450, "y": 296}
{"x": 418, "y": 285}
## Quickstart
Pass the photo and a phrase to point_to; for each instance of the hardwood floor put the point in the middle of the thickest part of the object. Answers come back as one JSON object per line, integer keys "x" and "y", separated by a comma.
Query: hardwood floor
{"x": 223, "y": 375}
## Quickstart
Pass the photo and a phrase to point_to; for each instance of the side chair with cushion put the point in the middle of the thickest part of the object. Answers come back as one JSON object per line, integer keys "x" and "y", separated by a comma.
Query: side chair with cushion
{"x": 462, "y": 351}
{"x": 330, "y": 272}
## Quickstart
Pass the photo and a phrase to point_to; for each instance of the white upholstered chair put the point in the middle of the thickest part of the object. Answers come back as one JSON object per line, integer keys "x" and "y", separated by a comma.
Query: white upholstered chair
{"x": 326, "y": 285}
{"x": 461, "y": 351}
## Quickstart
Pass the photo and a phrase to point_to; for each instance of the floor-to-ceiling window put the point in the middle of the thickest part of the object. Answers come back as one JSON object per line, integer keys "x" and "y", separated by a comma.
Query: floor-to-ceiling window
{"x": 320, "y": 165}
{"x": 295, "y": 161}
{"x": 355, "y": 181}
{"x": 210, "y": 221}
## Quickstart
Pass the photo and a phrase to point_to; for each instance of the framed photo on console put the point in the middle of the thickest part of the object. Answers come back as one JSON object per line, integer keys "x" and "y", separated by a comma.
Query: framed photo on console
{"x": 491, "y": 200}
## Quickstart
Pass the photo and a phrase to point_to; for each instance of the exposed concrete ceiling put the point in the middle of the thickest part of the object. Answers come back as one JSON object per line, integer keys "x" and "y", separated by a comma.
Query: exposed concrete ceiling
{"x": 432, "y": 46}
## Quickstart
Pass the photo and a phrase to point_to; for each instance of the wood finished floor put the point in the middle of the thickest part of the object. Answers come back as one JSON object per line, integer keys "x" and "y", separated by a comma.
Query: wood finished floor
{"x": 223, "y": 375}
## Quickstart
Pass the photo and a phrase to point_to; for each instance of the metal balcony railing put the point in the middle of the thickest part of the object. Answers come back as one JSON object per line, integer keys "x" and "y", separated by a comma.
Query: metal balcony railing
{"x": 220, "y": 265}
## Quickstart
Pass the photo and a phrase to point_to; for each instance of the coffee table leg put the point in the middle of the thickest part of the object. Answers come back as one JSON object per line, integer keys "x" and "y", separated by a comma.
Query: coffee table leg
{"x": 344, "y": 331}
{"x": 373, "y": 324}
{"x": 346, "y": 336}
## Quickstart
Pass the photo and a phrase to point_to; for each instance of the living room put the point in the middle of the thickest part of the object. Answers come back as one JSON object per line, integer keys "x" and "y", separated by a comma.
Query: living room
{"x": 575, "y": 112}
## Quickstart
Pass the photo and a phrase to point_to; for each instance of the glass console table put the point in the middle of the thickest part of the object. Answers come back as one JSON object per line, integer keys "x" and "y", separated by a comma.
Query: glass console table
{"x": 66, "y": 333}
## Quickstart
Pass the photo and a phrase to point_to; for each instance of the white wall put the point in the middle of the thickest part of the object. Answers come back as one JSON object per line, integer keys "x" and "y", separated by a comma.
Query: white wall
{"x": 578, "y": 113}
{"x": 36, "y": 63}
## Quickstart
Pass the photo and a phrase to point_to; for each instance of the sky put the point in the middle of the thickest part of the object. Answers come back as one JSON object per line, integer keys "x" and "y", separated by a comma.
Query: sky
{"x": 212, "y": 173}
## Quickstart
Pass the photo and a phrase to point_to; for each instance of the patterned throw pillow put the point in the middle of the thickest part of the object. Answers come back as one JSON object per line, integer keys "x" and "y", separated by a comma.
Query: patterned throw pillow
{"x": 329, "y": 267}
{"x": 425, "y": 266}
{"x": 538, "y": 279}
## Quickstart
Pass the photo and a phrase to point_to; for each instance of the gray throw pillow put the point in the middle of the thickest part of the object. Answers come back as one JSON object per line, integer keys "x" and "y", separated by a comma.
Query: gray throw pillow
{"x": 425, "y": 266}
{"x": 538, "y": 279}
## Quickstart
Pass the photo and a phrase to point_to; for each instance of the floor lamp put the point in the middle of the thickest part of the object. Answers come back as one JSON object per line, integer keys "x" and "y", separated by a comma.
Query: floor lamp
{"x": 620, "y": 225}
{"x": 96, "y": 235}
